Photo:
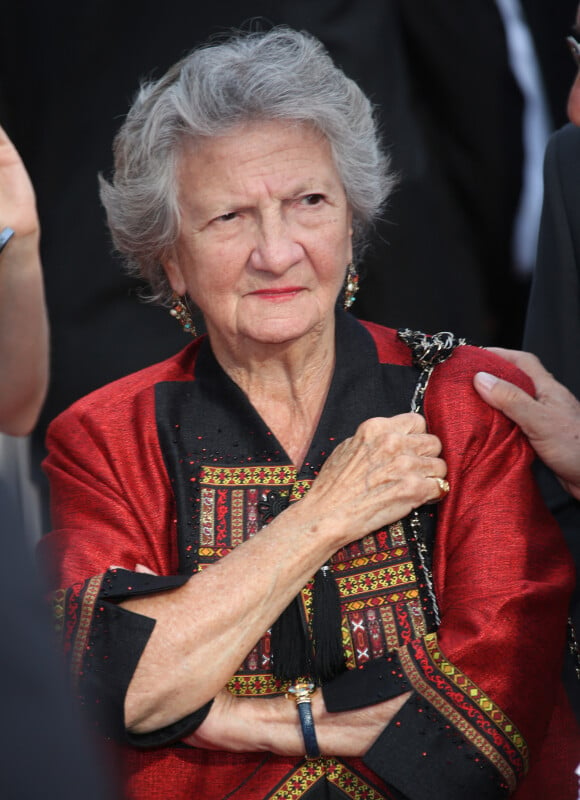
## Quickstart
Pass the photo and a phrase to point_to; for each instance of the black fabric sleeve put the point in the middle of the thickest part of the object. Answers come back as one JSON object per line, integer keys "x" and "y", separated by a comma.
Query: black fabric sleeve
{"x": 104, "y": 644}
{"x": 419, "y": 754}
{"x": 379, "y": 680}
{"x": 423, "y": 756}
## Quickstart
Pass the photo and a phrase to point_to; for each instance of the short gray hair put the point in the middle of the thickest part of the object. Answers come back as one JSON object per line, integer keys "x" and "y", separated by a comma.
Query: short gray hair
{"x": 279, "y": 74}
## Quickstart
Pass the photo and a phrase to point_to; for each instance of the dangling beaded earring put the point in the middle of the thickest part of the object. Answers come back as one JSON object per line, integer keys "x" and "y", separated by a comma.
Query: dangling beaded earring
{"x": 182, "y": 314}
{"x": 350, "y": 286}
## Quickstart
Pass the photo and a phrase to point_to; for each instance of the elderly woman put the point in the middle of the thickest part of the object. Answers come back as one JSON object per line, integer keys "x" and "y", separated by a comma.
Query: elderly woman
{"x": 256, "y": 588}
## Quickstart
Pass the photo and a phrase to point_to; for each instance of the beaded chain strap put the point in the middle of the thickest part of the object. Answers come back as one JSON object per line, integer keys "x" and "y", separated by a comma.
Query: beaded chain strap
{"x": 427, "y": 351}
{"x": 573, "y": 646}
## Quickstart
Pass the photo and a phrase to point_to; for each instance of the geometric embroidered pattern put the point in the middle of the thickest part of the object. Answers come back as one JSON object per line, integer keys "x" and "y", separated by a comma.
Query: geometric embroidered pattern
{"x": 495, "y": 714}
{"x": 310, "y": 772}
{"x": 256, "y": 686}
{"x": 377, "y": 580}
{"x": 248, "y": 476}
{"x": 381, "y": 603}
{"x": 417, "y": 665}
{"x": 385, "y": 606}
{"x": 80, "y": 608}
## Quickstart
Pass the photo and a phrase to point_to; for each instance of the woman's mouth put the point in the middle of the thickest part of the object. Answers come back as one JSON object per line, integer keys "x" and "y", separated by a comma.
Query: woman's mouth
{"x": 282, "y": 293}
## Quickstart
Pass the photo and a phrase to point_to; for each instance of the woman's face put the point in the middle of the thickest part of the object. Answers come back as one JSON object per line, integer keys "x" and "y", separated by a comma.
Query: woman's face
{"x": 265, "y": 233}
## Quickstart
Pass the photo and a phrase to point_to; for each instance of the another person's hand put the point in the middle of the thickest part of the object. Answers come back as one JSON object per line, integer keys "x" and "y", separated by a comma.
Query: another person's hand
{"x": 17, "y": 198}
{"x": 551, "y": 420}
{"x": 23, "y": 317}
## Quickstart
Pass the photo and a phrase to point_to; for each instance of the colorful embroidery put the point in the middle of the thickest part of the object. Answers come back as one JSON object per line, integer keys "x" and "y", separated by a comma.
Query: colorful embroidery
{"x": 376, "y": 580}
{"x": 426, "y": 680}
{"x": 351, "y": 784}
{"x": 247, "y": 476}
{"x": 237, "y": 517}
{"x": 397, "y": 534}
{"x": 309, "y": 773}
{"x": 495, "y": 714}
{"x": 389, "y": 627}
{"x": 300, "y": 780}
{"x": 385, "y": 607}
{"x": 79, "y": 647}
{"x": 207, "y": 516}
{"x": 376, "y": 577}
{"x": 255, "y": 685}
{"x": 252, "y": 517}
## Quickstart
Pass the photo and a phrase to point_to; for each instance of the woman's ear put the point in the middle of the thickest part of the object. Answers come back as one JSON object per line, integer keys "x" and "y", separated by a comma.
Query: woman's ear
{"x": 174, "y": 275}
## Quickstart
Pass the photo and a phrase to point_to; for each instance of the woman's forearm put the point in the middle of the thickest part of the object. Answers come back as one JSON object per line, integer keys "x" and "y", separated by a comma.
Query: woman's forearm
{"x": 206, "y": 628}
{"x": 272, "y": 724}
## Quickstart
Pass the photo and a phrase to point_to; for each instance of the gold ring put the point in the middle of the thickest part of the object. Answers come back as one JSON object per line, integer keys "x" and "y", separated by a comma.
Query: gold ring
{"x": 443, "y": 487}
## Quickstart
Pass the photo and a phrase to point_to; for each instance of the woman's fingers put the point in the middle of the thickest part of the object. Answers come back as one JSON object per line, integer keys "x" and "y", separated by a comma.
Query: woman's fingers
{"x": 138, "y": 568}
{"x": 142, "y": 568}
{"x": 443, "y": 489}
{"x": 388, "y": 468}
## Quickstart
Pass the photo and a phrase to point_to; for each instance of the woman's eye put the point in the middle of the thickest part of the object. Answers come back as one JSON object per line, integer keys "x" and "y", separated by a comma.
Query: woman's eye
{"x": 227, "y": 217}
{"x": 312, "y": 199}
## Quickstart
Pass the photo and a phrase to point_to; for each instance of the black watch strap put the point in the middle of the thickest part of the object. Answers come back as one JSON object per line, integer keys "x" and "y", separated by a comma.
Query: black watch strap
{"x": 301, "y": 693}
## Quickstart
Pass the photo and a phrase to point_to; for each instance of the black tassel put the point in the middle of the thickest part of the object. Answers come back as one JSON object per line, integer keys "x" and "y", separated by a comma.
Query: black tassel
{"x": 291, "y": 651}
{"x": 291, "y": 648}
{"x": 326, "y": 626}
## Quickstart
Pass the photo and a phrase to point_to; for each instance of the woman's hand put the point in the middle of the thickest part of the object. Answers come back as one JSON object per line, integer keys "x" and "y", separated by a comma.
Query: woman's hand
{"x": 388, "y": 468}
{"x": 250, "y": 724}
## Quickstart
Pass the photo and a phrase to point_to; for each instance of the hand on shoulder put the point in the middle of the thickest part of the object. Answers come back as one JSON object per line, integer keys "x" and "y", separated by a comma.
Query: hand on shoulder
{"x": 550, "y": 420}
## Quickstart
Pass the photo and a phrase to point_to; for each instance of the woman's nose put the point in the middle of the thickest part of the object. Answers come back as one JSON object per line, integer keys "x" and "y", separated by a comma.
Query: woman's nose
{"x": 276, "y": 248}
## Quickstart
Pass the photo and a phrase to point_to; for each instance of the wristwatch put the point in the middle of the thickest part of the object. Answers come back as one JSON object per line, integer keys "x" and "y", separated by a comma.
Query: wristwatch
{"x": 301, "y": 692}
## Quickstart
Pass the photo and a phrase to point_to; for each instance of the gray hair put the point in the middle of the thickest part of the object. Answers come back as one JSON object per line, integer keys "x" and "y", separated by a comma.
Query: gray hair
{"x": 279, "y": 74}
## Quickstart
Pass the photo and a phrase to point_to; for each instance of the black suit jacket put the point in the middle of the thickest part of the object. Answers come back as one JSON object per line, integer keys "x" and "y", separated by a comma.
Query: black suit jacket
{"x": 553, "y": 323}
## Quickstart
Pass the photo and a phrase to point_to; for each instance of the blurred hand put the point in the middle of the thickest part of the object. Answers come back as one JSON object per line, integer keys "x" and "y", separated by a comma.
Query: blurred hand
{"x": 23, "y": 316}
{"x": 17, "y": 199}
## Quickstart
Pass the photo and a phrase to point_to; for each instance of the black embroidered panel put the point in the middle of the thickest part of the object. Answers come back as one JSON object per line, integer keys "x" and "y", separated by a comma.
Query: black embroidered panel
{"x": 229, "y": 471}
